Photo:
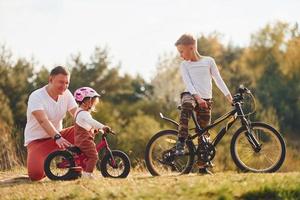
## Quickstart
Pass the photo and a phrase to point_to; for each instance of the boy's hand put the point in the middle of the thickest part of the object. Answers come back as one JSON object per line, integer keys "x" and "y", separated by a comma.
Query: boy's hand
{"x": 229, "y": 98}
{"x": 202, "y": 103}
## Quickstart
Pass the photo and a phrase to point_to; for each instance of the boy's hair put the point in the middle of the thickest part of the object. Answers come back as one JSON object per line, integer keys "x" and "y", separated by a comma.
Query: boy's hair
{"x": 186, "y": 39}
{"x": 59, "y": 70}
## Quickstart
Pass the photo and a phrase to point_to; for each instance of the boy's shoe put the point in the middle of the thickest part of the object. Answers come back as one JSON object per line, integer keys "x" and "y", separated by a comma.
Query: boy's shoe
{"x": 205, "y": 171}
{"x": 179, "y": 148}
{"x": 202, "y": 164}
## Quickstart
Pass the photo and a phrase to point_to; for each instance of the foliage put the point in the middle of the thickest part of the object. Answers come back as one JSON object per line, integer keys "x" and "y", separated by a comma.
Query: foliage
{"x": 269, "y": 66}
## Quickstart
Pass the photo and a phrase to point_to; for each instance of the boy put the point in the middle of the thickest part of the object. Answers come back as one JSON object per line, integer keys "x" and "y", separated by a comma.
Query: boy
{"x": 197, "y": 72}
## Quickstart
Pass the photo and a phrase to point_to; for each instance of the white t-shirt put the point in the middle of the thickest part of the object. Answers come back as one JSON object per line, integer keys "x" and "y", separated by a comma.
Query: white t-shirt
{"x": 55, "y": 111}
{"x": 85, "y": 120}
{"x": 198, "y": 76}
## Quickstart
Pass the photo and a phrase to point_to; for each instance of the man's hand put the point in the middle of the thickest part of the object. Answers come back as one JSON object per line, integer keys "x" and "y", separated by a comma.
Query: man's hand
{"x": 62, "y": 143}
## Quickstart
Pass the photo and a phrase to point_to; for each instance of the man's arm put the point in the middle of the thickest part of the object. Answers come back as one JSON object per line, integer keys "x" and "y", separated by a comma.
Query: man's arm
{"x": 72, "y": 105}
{"x": 43, "y": 120}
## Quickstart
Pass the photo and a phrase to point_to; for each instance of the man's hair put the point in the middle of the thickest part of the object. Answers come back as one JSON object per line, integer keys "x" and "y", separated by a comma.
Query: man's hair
{"x": 186, "y": 39}
{"x": 59, "y": 70}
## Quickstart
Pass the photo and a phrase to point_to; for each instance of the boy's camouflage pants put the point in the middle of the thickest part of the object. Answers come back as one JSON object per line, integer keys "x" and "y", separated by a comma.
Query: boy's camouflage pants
{"x": 188, "y": 104}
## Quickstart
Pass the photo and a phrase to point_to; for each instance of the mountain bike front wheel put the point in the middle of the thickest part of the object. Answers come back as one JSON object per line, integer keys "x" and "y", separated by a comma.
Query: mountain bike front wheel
{"x": 270, "y": 155}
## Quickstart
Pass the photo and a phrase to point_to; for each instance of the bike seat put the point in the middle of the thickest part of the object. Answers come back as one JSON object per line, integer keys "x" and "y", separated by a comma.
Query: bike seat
{"x": 74, "y": 149}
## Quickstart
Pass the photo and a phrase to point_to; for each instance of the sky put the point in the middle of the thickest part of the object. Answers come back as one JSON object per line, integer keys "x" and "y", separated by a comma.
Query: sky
{"x": 136, "y": 32}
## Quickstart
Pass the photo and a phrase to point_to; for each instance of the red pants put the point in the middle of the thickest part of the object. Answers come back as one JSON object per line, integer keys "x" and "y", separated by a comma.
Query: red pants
{"x": 88, "y": 147}
{"x": 85, "y": 141}
{"x": 38, "y": 150}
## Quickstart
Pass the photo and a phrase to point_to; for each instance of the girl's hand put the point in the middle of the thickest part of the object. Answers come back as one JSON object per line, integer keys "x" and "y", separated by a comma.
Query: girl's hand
{"x": 106, "y": 129}
{"x": 95, "y": 132}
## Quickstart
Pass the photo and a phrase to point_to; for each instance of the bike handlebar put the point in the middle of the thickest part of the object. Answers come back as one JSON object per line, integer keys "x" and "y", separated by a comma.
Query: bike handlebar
{"x": 239, "y": 96}
{"x": 242, "y": 89}
{"x": 110, "y": 131}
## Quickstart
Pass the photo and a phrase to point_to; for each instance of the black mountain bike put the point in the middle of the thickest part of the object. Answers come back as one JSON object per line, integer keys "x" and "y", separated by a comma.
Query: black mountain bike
{"x": 255, "y": 146}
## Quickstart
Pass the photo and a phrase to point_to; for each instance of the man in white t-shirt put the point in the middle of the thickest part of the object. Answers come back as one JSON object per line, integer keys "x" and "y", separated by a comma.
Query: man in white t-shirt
{"x": 46, "y": 109}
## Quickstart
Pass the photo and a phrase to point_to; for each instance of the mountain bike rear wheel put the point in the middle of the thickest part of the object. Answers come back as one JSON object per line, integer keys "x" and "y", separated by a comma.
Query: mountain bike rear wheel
{"x": 160, "y": 155}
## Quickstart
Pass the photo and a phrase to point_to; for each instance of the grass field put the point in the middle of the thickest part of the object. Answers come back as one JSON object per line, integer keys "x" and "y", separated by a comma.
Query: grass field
{"x": 229, "y": 185}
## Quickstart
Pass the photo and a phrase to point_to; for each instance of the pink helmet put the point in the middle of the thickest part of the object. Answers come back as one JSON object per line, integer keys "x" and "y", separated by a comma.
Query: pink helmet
{"x": 84, "y": 92}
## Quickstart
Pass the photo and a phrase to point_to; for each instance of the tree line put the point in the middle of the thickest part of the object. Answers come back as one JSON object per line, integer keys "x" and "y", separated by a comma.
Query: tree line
{"x": 269, "y": 65}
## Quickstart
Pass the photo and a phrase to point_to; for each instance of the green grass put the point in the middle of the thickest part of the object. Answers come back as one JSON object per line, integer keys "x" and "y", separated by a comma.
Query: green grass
{"x": 229, "y": 185}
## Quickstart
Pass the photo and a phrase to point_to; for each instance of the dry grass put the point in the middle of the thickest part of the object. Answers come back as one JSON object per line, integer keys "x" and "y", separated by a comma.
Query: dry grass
{"x": 140, "y": 185}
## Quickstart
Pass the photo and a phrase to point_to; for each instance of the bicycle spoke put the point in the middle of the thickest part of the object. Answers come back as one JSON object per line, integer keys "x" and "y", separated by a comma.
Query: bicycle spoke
{"x": 262, "y": 159}
{"x": 162, "y": 156}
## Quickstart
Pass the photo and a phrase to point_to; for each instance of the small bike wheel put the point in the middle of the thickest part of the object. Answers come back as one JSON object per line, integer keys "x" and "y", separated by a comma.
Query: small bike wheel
{"x": 118, "y": 167}
{"x": 160, "y": 155}
{"x": 58, "y": 164}
{"x": 268, "y": 159}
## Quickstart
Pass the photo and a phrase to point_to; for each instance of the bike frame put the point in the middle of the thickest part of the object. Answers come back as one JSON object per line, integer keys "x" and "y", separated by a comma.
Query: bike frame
{"x": 80, "y": 159}
{"x": 234, "y": 114}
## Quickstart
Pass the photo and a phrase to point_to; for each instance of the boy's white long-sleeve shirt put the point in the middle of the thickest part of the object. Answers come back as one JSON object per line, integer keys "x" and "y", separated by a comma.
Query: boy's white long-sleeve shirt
{"x": 85, "y": 120}
{"x": 197, "y": 77}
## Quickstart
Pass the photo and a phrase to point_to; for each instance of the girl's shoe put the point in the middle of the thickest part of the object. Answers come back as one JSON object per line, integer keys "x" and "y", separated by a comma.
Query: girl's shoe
{"x": 87, "y": 175}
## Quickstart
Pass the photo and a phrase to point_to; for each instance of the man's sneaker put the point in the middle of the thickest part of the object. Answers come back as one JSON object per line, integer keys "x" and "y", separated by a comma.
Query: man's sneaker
{"x": 205, "y": 171}
{"x": 179, "y": 148}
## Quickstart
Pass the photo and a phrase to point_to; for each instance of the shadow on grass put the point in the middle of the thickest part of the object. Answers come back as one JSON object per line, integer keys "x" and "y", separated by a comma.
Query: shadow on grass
{"x": 15, "y": 181}
{"x": 273, "y": 194}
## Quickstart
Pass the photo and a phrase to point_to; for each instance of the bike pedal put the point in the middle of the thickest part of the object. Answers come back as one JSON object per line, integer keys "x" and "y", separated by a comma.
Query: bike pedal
{"x": 210, "y": 164}
{"x": 76, "y": 169}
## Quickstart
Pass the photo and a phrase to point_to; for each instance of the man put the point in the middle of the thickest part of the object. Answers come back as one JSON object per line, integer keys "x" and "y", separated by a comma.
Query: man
{"x": 46, "y": 109}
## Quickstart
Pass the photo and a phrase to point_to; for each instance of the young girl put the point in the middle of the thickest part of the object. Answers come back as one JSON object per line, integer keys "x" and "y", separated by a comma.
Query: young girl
{"x": 85, "y": 127}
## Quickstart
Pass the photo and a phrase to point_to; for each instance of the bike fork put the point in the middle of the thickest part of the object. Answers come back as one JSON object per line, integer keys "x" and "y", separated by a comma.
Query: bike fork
{"x": 249, "y": 134}
{"x": 252, "y": 139}
{"x": 113, "y": 162}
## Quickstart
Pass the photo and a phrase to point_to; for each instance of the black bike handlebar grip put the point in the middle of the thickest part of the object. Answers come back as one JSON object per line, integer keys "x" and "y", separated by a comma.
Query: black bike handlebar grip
{"x": 112, "y": 132}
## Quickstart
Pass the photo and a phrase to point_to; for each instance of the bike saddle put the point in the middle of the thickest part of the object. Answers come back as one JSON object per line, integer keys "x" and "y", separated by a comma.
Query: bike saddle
{"x": 74, "y": 149}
